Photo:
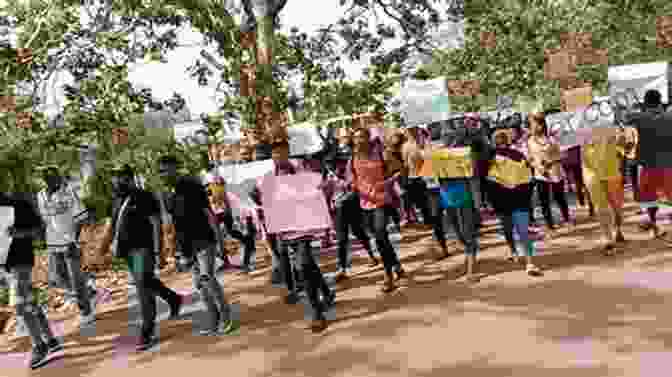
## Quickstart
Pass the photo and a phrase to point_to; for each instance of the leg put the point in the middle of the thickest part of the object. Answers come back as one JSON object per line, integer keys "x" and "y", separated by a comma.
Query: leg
{"x": 211, "y": 290}
{"x": 560, "y": 198}
{"x": 357, "y": 224}
{"x": 76, "y": 281}
{"x": 141, "y": 266}
{"x": 521, "y": 225}
{"x": 385, "y": 247}
{"x": 507, "y": 224}
{"x": 470, "y": 234}
{"x": 544, "y": 191}
{"x": 343, "y": 240}
{"x": 437, "y": 222}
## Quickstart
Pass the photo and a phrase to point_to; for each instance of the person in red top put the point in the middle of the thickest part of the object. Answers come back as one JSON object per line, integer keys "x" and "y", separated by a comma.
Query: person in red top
{"x": 367, "y": 168}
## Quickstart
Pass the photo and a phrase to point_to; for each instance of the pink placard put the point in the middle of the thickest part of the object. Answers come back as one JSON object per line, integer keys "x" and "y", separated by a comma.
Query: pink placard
{"x": 294, "y": 203}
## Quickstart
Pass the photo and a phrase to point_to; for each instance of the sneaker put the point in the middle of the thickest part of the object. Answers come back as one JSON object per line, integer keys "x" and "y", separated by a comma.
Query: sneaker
{"x": 39, "y": 357}
{"x": 54, "y": 346}
{"x": 227, "y": 327}
{"x": 147, "y": 342}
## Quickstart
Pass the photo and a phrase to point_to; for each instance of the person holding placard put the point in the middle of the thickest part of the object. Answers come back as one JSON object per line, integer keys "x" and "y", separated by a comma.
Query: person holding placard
{"x": 654, "y": 127}
{"x": 299, "y": 243}
{"x": 19, "y": 264}
{"x": 510, "y": 188}
{"x": 545, "y": 158}
{"x": 367, "y": 169}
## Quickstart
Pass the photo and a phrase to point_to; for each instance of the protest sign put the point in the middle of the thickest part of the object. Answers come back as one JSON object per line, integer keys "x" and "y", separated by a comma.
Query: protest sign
{"x": 639, "y": 78}
{"x": 664, "y": 31}
{"x": 294, "y": 203}
{"x": 6, "y": 220}
{"x": 424, "y": 102}
{"x": 576, "y": 99}
{"x": 304, "y": 140}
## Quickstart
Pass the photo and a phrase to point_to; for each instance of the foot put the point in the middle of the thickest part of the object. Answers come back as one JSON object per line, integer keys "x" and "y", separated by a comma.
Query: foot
{"x": 39, "y": 357}
{"x": 472, "y": 278}
{"x": 513, "y": 258}
{"x": 609, "y": 249}
{"x": 341, "y": 276}
{"x": 54, "y": 346}
{"x": 620, "y": 238}
{"x": 388, "y": 285}
{"x": 374, "y": 262}
{"x": 87, "y": 319}
{"x": 292, "y": 298}
{"x": 400, "y": 273}
{"x": 147, "y": 342}
{"x": 330, "y": 299}
{"x": 533, "y": 270}
{"x": 318, "y": 325}
{"x": 176, "y": 307}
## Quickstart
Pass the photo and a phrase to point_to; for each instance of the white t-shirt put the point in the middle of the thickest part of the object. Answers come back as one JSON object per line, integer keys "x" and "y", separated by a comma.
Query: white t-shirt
{"x": 59, "y": 211}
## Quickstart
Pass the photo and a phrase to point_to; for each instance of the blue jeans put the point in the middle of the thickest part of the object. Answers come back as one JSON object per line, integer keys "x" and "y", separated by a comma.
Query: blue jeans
{"x": 203, "y": 275}
{"x": 21, "y": 282}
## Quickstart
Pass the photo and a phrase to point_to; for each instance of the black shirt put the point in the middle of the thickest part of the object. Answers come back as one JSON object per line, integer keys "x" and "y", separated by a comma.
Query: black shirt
{"x": 187, "y": 206}
{"x": 25, "y": 218}
{"x": 137, "y": 230}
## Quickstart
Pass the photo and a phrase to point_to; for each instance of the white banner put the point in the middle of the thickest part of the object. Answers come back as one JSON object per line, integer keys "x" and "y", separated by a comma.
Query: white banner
{"x": 572, "y": 128}
{"x": 425, "y": 102}
{"x": 640, "y": 78}
{"x": 241, "y": 179}
{"x": 6, "y": 220}
{"x": 304, "y": 139}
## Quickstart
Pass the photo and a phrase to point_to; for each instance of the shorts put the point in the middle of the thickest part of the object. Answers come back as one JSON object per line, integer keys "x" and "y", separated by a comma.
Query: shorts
{"x": 606, "y": 194}
{"x": 654, "y": 181}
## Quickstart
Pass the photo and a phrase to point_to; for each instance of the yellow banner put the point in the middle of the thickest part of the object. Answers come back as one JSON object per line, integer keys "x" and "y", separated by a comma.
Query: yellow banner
{"x": 509, "y": 173}
{"x": 448, "y": 163}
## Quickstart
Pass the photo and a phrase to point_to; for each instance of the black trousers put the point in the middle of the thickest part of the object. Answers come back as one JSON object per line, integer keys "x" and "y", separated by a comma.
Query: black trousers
{"x": 416, "y": 197}
{"x": 557, "y": 190}
{"x": 577, "y": 175}
{"x": 631, "y": 170}
{"x": 349, "y": 217}
{"x": 314, "y": 280}
{"x": 141, "y": 265}
{"x": 378, "y": 219}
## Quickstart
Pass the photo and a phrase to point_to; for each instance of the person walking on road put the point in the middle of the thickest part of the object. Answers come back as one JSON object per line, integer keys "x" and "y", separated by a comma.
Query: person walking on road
{"x": 197, "y": 230}
{"x": 136, "y": 227}
{"x": 62, "y": 212}
{"x": 19, "y": 264}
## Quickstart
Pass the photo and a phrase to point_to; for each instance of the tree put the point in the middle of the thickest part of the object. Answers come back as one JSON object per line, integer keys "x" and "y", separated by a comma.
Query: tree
{"x": 525, "y": 29}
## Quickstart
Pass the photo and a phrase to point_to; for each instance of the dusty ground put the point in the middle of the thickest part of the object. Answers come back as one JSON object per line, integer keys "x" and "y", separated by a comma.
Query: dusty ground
{"x": 588, "y": 316}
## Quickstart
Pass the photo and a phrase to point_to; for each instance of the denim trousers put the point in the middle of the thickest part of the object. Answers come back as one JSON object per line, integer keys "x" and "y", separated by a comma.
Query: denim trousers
{"x": 66, "y": 265}
{"x": 21, "y": 283}
{"x": 204, "y": 277}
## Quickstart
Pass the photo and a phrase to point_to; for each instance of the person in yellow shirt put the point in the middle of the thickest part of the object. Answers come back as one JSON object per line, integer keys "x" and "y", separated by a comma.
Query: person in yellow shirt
{"x": 601, "y": 159}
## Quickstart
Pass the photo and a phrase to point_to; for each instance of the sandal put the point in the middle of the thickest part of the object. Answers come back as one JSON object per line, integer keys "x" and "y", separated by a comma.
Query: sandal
{"x": 533, "y": 270}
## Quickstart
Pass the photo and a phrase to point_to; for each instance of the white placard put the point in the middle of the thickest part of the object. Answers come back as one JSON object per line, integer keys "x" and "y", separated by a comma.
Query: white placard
{"x": 304, "y": 140}
{"x": 241, "y": 179}
{"x": 640, "y": 77}
{"x": 424, "y": 102}
{"x": 570, "y": 128}
{"x": 6, "y": 220}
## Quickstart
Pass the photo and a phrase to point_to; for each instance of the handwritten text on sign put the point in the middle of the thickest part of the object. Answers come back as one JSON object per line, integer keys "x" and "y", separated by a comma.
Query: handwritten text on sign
{"x": 294, "y": 203}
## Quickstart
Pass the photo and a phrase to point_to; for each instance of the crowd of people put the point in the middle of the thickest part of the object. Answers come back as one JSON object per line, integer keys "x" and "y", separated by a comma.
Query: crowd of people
{"x": 373, "y": 185}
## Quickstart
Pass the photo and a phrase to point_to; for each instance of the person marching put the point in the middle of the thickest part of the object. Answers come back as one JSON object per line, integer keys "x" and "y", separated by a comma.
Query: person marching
{"x": 654, "y": 128}
{"x": 348, "y": 213}
{"x": 510, "y": 189}
{"x": 545, "y": 158}
{"x": 62, "y": 211}
{"x": 136, "y": 228}
{"x": 300, "y": 244}
{"x": 197, "y": 230}
{"x": 602, "y": 174}
{"x": 416, "y": 188}
{"x": 367, "y": 169}
{"x": 19, "y": 265}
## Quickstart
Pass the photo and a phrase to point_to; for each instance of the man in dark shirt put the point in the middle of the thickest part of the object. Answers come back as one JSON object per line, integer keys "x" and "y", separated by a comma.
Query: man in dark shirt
{"x": 19, "y": 264}
{"x": 136, "y": 227}
{"x": 654, "y": 127}
{"x": 197, "y": 231}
